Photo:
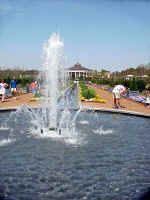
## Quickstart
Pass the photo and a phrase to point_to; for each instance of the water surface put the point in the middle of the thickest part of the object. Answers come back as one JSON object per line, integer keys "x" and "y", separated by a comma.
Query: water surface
{"x": 105, "y": 157}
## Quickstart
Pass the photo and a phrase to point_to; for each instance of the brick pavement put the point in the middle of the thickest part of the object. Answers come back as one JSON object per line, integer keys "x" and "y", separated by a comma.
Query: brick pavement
{"x": 25, "y": 99}
{"x": 107, "y": 95}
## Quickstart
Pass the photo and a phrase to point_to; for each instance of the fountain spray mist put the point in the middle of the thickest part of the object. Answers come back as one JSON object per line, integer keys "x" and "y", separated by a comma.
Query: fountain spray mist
{"x": 54, "y": 75}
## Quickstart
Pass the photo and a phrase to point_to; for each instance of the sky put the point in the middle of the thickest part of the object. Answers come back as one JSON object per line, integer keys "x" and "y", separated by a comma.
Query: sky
{"x": 99, "y": 34}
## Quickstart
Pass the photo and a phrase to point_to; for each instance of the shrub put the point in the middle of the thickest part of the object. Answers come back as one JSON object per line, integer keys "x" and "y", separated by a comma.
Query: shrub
{"x": 88, "y": 94}
{"x": 141, "y": 85}
{"x": 133, "y": 84}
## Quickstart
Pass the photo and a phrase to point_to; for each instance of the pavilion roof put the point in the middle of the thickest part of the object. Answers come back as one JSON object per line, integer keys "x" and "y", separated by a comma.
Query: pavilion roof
{"x": 78, "y": 67}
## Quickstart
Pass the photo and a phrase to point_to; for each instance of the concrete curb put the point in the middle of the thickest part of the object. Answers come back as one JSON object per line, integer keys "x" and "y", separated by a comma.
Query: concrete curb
{"x": 8, "y": 109}
{"x": 15, "y": 108}
{"x": 137, "y": 114}
{"x": 88, "y": 108}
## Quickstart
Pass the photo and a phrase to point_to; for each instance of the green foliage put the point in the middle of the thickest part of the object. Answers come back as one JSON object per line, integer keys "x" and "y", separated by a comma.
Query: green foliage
{"x": 92, "y": 93}
{"x": 112, "y": 82}
{"x": 141, "y": 85}
{"x": 87, "y": 93}
{"x": 24, "y": 81}
{"x": 38, "y": 93}
{"x": 126, "y": 83}
{"x": 83, "y": 86}
{"x": 23, "y": 78}
{"x": 100, "y": 81}
{"x": 7, "y": 80}
{"x": 133, "y": 85}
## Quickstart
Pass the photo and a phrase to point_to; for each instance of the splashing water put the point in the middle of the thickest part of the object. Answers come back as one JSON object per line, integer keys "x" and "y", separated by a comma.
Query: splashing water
{"x": 49, "y": 120}
{"x": 5, "y": 142}
{"x": 55, "y": 83}
{"x": 54, "y": 77}
{"x": 101, "y": 131}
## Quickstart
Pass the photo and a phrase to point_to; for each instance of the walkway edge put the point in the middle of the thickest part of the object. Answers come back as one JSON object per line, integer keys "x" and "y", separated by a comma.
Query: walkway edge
{"x": 15, "y": 108}
{"x": 88, "y": 108}
{"x": 138, "y": 114}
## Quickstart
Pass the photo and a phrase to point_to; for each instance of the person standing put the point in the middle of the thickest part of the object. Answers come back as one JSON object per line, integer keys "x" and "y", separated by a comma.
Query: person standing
{"x": 148, "y": 98}
{"x": 3, "y": 85}
{"x": 117, "y": 92}
{"x": 34, "y": 87}
{"x": 13, "y": 86}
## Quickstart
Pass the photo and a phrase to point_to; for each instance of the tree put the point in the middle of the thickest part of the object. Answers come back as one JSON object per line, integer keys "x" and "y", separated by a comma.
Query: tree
{"x": 112, "y": 82}
{"x": 133, "y": 84}
{"x": 141, "y": 85}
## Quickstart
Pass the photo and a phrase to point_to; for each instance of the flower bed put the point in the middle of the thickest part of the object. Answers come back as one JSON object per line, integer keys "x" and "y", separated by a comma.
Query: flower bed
{"x": 138, "y": 98}
{"x": 98, "y": 99}
{"x": 89, "y": 94}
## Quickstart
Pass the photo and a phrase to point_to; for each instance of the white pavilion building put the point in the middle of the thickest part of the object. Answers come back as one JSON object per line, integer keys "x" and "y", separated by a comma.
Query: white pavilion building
{"x": 78, "y": 71}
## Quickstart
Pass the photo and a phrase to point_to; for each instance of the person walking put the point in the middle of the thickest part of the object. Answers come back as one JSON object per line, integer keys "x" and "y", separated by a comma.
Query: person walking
{"x": 13, "y": 86}
{"x": 117, "y": 92}
{"x": 3, "y": 85}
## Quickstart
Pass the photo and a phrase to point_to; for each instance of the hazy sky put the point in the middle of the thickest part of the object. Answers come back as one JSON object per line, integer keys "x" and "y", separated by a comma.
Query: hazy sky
{"x": 110, "y": 34}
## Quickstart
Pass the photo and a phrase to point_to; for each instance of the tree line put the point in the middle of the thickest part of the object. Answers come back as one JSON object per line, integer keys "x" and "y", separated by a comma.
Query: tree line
{"x": 133, "y": 84}
{"x": 23, "y": 77}
{"x": 138, "y": 71}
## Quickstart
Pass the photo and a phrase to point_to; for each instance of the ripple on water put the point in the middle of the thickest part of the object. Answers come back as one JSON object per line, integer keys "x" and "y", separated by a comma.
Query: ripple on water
{"x": 115, "y": 166}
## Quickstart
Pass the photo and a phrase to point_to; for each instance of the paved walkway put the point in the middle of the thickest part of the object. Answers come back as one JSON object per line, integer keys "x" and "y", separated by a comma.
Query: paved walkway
{"x": 131, "y": 106}
{"x": 24, "y": 99}
{"x": 107, "y": 95}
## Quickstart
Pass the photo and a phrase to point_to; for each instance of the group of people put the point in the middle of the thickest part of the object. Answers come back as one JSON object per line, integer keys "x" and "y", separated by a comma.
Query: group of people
{"x": 3, "y": 86}
{"x": 119, "y": 90}
{"x": 13, "y": 88}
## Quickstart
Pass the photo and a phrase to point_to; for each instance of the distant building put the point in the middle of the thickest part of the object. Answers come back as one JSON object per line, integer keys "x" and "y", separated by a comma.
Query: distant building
{"x": 129, "y": 77}
{"x": 143, "y": 77}
{"x": 78, "y": 71}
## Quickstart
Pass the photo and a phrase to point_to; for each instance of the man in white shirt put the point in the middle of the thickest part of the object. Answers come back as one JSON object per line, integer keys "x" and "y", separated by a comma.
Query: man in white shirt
{"x": 117, "y": 92}
{"x": 3, "y": 90}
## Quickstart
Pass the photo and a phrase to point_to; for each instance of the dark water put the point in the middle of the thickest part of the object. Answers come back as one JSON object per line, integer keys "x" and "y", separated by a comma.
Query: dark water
{"x": 111, "y": 163}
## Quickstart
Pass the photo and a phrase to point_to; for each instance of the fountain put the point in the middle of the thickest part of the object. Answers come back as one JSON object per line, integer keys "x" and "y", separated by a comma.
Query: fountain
{"x": 53, "y": 118}
{"x": 54, "y": 77}
{"x": 97, "y": 156}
